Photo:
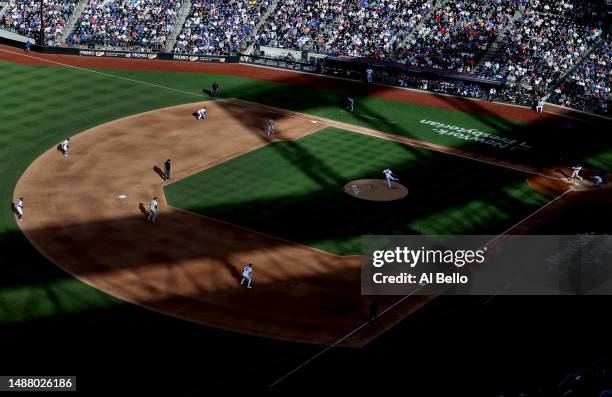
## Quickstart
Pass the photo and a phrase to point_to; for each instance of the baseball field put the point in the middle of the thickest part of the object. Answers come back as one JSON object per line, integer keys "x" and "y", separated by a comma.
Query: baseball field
{"x": 237, "y": 195}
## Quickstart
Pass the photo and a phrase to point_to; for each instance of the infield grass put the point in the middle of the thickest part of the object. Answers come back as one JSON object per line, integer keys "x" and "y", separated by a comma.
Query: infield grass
{"x": 294, "y": 190}
{"x": 41, "y": 106}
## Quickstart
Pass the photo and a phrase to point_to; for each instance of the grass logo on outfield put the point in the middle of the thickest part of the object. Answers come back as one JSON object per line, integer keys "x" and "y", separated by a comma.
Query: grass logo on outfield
{"x": 475, "y": 135}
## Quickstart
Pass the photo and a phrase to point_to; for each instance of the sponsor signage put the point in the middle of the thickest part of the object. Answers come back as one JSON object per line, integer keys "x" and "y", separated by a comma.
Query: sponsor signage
{"x": 151, "y": 55}
{"x": 198, "y": 58}
{"x": 118, "y": 54}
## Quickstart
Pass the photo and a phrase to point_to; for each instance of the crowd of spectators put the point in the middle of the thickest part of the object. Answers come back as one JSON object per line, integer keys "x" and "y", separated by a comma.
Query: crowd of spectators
{"x": 540, "y": 47}
{"x": 455, "y": 36}
{"x": 23, "y": 17}
{"x": 219, "y": 27}
{"x": 301, "y": 24}
{"x": 375, "y": 29}
{"x": 589, "y": 86}
{"x": 143, "y": 24}
{"x": 530, "y": 45}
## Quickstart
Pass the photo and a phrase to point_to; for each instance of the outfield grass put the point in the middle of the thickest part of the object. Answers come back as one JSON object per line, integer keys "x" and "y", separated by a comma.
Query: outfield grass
{"x": 40, "y": 106}
{"x": 294, "y": 190}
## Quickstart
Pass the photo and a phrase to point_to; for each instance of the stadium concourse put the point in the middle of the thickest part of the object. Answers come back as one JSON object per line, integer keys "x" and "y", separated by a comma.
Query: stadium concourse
{"x": 558, "y": 50}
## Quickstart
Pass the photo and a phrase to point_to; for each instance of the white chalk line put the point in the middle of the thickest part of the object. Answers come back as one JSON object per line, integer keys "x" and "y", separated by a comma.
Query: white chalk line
{"x": 348, "y": 335}
{"x": 324, "y": 123}
{"x": 284, "y": 113}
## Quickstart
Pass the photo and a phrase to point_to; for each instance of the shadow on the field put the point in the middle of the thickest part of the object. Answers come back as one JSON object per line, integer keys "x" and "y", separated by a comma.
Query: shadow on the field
{"x": 546, "y": 141}
{"x": 159, "y": 172}
{"x": 13, "y": 208}
{"x": 143, "y": 210}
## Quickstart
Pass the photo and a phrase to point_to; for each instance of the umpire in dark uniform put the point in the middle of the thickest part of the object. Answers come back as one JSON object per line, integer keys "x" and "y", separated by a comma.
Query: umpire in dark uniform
{"x": 167, "y": 169}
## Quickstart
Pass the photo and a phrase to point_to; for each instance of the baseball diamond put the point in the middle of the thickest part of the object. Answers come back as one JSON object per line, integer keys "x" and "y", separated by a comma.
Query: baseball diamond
{"x": 232, "y": 221}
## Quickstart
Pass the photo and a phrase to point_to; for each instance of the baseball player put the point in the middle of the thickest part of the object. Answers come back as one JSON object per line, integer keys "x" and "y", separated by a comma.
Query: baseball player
{"x": 271, "y": 127}
{"x": 390, "y": 177}
{"x": 167, "y": 169}
{"x": 350, "y": 104}
{"x": 153, "y": 210}
{"x": 576, "y": 172}
{"x": 201, "y": 113}
{"x": 540, "y": 105}
{"x": 65, "y": 146}
{"x": 215, "y": 89}
{"x": 597, "y": 180}
{"x": 246, "y": 275}
{"x": 19, "y": 208}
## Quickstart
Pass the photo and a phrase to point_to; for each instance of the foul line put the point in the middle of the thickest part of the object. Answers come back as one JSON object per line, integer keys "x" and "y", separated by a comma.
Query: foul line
{"x": 100, "y": 73}
{"x": 351, "y": 333}
{"x": 332, "y": 123}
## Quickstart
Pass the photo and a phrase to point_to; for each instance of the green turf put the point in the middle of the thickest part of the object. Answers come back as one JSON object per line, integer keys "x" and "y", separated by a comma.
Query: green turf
{"x": 294, "y": 190}
{"x": 40, "y": 106}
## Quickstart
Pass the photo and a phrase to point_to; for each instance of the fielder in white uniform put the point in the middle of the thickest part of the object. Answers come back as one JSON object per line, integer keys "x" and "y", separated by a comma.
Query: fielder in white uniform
{"x": 540, "y": 105}
{"x": 271, "y": 127}
{"x": 576, "y": 172}
{"x": 201, "y": 113}
{"x": 19, "y": 208}
{"x": 246, "y": 275}
{"x": 65, "y": 145}
{"x": 350, "y": 104}
{"x": 390, "y": 177}
{"x": 153, "y": 210}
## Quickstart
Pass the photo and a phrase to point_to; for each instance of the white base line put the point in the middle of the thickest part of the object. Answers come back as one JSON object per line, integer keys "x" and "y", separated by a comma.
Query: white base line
{"x": 407, "y": 296}
{"x": 398, "y": 138}
{"x": 286, "y": 114}
{"x": 100, "y": 73}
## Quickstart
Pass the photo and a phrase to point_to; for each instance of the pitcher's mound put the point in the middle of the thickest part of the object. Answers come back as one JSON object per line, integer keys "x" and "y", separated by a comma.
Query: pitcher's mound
{"x": 376, "y": 190}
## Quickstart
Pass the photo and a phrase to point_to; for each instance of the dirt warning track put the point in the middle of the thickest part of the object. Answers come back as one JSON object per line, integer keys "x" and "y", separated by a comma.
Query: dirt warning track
{"x": 85, "y": 214}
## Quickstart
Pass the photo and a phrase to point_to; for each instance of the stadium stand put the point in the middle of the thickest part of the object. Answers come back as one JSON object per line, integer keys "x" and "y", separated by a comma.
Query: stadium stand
{"x": 219, "y": 27}
{"x": 126, "y": 23}
{"x": 457, "y": 35}
{"x": 23, "y": 17}
{"x": 300, "y": 24}
{"x": 557, "y": 49}
{"x": 588, "y": 88}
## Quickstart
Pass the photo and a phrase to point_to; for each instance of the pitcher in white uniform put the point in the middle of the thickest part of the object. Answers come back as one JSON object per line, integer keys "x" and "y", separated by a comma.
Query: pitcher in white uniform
{"x": 390, "y": 177}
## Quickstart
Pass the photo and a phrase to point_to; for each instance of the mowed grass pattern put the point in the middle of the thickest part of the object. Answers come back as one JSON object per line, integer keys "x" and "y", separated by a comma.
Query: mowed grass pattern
{"x": 294, "y": 190}
{"x": 39, "y": 107}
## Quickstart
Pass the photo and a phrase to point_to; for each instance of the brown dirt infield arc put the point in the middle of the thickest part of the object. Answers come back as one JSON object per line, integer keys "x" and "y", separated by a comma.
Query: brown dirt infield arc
{"x": 187, "y": 265}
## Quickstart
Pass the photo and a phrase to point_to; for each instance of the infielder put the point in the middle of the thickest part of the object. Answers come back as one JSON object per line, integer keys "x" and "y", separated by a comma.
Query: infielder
{"x": 215, "y": 89}
{"x": 65, "y": 145}
{"x": 350, "y": 104}
{"x": 167, "y": 169}
{"x": 153, "y": 210}
{"x": 271, "y": 127}
{"x": 19, "y": 208}
{"x": 246, "y": 275}
{"x": 576, "y": 172}
{"x": 201, "y": 113}
{"x": 390, "y": 177}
